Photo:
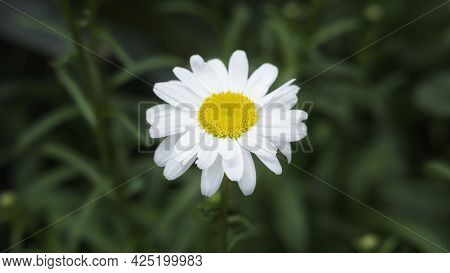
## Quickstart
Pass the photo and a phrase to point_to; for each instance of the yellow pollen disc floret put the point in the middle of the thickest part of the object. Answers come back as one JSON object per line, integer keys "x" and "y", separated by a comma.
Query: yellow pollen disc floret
{"x": 227, "y": 114}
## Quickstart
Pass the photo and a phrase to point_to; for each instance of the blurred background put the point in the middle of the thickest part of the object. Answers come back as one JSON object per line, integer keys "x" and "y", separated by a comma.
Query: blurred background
{"x": 72, "y": 129}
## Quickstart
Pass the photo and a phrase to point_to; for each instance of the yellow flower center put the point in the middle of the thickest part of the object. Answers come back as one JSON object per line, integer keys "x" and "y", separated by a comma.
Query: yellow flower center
{"x": 227, "y": 114}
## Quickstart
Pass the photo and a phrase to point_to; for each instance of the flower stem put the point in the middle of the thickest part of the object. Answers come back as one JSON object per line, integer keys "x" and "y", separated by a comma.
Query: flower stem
{"x": 91, "y": 74}
{"x": 224, "y": 195}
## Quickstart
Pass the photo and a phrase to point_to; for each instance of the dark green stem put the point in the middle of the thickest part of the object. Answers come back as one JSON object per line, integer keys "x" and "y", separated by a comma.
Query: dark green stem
{"x": 90, "y": 72}
{"x": 76, "y": 37}
{"x": 224, "y": 196}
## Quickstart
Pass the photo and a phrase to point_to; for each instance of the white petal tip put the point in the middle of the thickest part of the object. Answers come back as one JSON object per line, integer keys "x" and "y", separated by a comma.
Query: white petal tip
{"x": 169, "y": 177}
{"x": 232, "y": 178}
{"x": 175, "y": 71}
{"x": 157, "y": 86}
{"x": 159, "y": 163}
{"x": 196, "y": 56}
{"x": 207, "y": 194}
{"x": 239, "y": 54}
{"x": 239, "y": 51}
{"x": 248, "y": 193}
{"x": 152, "y": 132}
{"x": 149, "y": 116}
{"x": 201, "y": 166}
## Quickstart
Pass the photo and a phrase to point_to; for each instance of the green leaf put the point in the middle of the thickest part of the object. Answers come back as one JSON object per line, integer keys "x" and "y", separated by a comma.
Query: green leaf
{"x": 45, "y": 125}
{"x": 240, "y": 228}
{"x": 142, "y": 67}
{"x": 290, "y": 217}
{"x": 46, "y": 37}
{"x": 438, "y": 169}
{"x": 128, "y": 125}
{"x": 424, "y": 237}
{"x": 389, "y": 245}
{"x": 116, "y": 48}
{"x": 176, "y": 207}
{"x": 102, "y": 241}
{"x": 433, "y": 95}
{"x": 75, "y": 160}
{"x": 236, "y": 239}
{"x": 45, "y": 184}
{"x": 191, "y": 8}
{"x": 80, "y": 225}
{"x": 77, "y": 95}
{"x": 289, "y": 46}
{"x": 235, "y": 29}
{"x": 332, "y": 31}
{"x": 51, "y": 179}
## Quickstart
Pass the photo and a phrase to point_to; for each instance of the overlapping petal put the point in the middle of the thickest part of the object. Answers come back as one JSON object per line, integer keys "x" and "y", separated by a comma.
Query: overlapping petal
{"x": 238, "y": 71}
{"x": 212, "y": 178}
{"x": 259, "y": 82}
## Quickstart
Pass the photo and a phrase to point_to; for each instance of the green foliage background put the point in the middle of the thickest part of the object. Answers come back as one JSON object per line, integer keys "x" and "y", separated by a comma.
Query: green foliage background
{"x": 379, "y": 126}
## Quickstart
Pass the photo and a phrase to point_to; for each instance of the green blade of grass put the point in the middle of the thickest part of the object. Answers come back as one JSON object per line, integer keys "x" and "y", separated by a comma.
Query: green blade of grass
{"x": 45, "y": 125}
{"x": 77, "y": 95}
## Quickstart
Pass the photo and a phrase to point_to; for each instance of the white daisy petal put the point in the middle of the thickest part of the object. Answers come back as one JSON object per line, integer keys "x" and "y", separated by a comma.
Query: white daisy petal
{"x": 185, "y": 156}
{"x": 260, "y": 81}
{"x": 177, "y": 94}
{"x": 206, "y": 158}
{"x": 285, "y": 149}
{"x": 271, "y": 161}
{"x": 226, "y": 148}
{"x": 191, "y": 156}
{"x": 263, "y": 148}
{"x": 275, "y": 115}
{"x": 234, "y": 167}
{"x": 297, "y": 116}
{"x": 238, "y": 71}
{"x": 279, "y": 124}
{"x": 289, "y": 132}
{"x": 163, "y": 113}
{"x": 285, "y": 95}
{"x": 157, "y": 111}
{"x": 252, "y": 141}
{"x": 165, "y": 149}
{"x": 175, "y": 169}
{"x": 186, "y": 146}
{"x": 169, "y": 121}
{"x": 267, "y": 155}
{"x": 188, "y": 79}
{"x": 221, "y": 72}
{"x": 207, "y": 152}
{"x": 204, "y": 73}
{"x": 212, "y": 178}
{"x": 248, "y": 181}
{"x": 289, "y": 100}
{"x": 158, "y": 132}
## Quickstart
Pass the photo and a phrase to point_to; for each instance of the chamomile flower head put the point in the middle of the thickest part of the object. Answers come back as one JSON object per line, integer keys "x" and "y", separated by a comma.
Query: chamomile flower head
{"x": 217, "y": 117}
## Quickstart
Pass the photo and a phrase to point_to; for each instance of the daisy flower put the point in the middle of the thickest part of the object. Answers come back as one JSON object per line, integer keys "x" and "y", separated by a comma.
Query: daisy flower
{"x": 217, "y": 118}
